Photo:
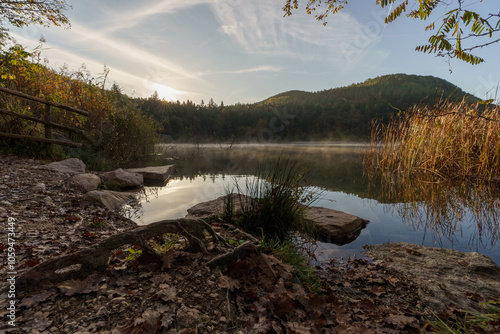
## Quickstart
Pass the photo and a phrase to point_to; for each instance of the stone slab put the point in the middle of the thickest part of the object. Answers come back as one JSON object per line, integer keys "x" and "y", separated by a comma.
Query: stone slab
{"x": 154, "y": 174}
{"x": 335, "y": 226}
{"x": 122, "y": 179}
{"x": 215, "y": 207}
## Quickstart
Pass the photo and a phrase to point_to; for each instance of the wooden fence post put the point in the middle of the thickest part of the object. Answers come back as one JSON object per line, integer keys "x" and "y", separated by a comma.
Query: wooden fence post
{"x": 48, "y": 129}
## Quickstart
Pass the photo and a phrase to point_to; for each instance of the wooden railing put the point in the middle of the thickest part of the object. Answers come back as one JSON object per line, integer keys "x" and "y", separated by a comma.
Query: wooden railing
{"x": 46, "y": 121}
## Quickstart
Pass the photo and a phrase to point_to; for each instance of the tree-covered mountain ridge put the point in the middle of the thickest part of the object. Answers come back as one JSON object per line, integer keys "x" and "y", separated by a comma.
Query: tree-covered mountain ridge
{"x": 344, "y": 113}
{"x": 414, "y": 88}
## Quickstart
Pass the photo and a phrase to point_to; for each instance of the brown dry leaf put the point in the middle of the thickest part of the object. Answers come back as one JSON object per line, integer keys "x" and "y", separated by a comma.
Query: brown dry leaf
{"x": 31, "y": 263}
{"x": 283, "y": 306}
{"x": 125, "y": 280}
{"x": 72, "y": 287}
{"x": 377, "y": 290}
{"x": 167, "y": 293}
{"x": 226, "y": 282}
{"x": 400, "y": 321}
{"x": 161, "y": 278}
{"x": 34, "y": 300}
{"x": 168, "y": 259}
{"x": 263, "y": 326}
{"x": 167, "y": 320}
{"x": 296, "y": 328}
{"x": 148, "y": 323}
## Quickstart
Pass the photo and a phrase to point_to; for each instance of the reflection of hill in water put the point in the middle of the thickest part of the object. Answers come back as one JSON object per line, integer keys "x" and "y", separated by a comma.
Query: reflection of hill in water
{"x": 335, "y": 167}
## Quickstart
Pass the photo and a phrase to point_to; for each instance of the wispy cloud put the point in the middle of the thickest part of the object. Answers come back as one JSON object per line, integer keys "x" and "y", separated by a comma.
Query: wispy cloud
{"x": 258, "y": 27}
{"x": 141, "y": 11}
{"x": 265, "y": 68}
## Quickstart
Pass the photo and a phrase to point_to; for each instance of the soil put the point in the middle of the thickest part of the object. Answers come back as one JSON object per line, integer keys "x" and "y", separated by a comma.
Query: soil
{"x": 257, "y": 294}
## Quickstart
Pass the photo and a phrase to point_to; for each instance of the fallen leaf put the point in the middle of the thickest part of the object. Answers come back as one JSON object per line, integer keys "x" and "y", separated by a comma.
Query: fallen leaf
{"x": 148, "y": 323}
{"x": 168, "y": 259}
{"x": 377, "y": 290}
{"x": 72, "y": 287}
{"x": 167, "y": 293}
{"x": 400, "y": 321}
{"x": 34, "y": 300}
{"x": 31, "y": 263}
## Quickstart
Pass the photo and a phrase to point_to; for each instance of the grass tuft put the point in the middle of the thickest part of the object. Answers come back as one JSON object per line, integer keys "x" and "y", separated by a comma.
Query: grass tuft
{"x": 279, "y": 195}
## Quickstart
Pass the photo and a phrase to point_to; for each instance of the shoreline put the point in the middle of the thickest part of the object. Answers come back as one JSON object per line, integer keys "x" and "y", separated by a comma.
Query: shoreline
{"x": 54, "y": 220}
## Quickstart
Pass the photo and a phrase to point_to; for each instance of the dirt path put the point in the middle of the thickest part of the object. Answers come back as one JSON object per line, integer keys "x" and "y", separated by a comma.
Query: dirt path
{"x": 258, "y": 294}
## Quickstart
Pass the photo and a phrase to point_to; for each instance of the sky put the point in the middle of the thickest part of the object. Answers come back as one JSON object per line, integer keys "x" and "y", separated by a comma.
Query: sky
{"x": 240, "y": 51}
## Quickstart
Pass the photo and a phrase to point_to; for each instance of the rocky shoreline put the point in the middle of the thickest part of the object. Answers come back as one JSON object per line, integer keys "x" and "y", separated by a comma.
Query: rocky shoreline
{"x": 257, "y": 294}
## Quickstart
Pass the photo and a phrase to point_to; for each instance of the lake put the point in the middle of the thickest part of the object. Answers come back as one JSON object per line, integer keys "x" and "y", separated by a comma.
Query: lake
{"x": 458, "y": 216}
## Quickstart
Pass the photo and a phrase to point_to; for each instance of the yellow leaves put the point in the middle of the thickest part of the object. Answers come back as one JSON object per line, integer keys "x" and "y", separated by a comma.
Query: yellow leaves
{"x": 396, "y": 12}
{"x": 7, "y": 77}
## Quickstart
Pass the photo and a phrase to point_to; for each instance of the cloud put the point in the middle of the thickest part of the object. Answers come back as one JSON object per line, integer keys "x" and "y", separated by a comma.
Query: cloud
{"x": 259, "y": 27}
{"x": 119, "y": 17}
{"x": 264, "y": 68}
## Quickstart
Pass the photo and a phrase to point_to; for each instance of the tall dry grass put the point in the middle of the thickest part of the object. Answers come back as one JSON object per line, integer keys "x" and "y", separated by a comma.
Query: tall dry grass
{"x": 451, "y": 140}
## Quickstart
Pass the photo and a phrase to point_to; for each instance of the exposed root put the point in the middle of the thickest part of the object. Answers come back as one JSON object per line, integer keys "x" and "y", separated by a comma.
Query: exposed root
{"x": 239, "y": 253}
{"x": 95, "y": 259}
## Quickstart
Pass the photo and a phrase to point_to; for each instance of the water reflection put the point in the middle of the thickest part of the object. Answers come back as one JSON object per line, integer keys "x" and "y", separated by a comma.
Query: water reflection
{"x": 450, "y": 210}
{"x": 460, "y": 216}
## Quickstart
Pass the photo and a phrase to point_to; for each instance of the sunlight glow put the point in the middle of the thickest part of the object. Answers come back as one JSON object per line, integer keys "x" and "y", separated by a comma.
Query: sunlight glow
{"x": 166, "y": 93}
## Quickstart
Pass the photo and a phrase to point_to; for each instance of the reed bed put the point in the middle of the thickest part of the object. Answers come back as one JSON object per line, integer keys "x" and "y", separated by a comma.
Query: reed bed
{"x": 450, "y": 140}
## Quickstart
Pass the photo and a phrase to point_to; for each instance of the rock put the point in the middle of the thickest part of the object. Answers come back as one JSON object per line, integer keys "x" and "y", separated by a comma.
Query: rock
{"x": 158, "y": 174}
{"x": 446, "y": 277}
{"x": 112, "y": 200}
{"x": 70, "y": 166}
{"x": 121, "y": 179}
{"x": 87, "y": 182}
{"x": 215, "y": 207}
{"x": 335, "y": 226}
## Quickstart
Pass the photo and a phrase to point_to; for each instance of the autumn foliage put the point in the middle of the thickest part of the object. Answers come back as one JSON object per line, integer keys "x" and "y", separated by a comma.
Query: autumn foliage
{"x": 116, "y": 132}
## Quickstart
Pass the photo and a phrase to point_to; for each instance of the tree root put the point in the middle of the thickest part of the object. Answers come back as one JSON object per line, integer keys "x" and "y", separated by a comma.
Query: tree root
{"x": 239, "y": 253}
{"x": 95, "y": 259}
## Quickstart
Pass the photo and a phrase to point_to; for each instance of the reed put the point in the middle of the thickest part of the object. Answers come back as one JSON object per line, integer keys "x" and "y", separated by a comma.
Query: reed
{"x": 451, "y": 140}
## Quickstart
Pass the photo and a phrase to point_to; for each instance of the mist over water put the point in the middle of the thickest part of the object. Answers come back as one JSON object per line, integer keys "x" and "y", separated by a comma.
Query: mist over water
{"x": 206, "y": 172}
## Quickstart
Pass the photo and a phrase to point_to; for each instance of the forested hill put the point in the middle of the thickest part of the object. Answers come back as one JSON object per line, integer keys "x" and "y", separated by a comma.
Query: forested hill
{"x": 401, "y": 90}
{"x": 335, "y": 114}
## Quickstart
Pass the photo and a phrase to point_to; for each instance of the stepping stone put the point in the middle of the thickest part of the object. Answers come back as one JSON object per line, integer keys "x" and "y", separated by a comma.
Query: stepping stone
{"x": 121, "y": 179}
{"x": 154, "y": 174}
{"x": 335, "y": 226}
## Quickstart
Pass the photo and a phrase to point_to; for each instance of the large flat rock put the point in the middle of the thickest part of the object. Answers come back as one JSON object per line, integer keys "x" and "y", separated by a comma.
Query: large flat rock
{"x": 446, "y": 278}
{"x": 158, "y": 174}
{"x": 215, "y": 207}
{"x": 122, "y": 179}
{"x": 70, "y": 166}
{"x": 112, "y": 200}
{"x": 335, "y": 226}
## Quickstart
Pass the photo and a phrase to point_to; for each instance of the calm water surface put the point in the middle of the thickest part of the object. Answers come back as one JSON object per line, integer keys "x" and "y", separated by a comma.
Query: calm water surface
{"x": 460, "y": 217}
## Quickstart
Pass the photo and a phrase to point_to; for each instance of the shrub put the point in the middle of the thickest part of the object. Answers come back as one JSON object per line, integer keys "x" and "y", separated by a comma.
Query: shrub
{"x": 116, "y": 132}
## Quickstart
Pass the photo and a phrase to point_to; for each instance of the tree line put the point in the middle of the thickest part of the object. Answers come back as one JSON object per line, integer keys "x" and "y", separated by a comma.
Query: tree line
{"x": 342, "y": 113}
